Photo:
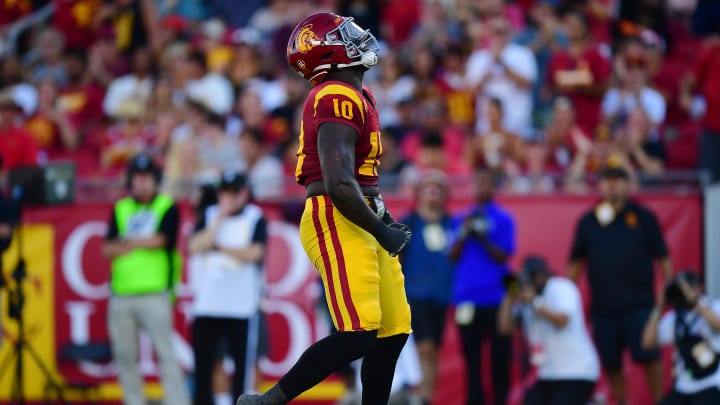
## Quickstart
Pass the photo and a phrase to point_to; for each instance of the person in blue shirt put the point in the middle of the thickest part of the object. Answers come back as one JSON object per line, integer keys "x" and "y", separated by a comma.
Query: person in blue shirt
{"x": 484, "y": 242}
{"x": 428, "y": 272}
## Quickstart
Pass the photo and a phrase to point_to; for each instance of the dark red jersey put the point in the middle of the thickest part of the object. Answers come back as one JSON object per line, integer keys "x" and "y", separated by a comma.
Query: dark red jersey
{"x": 333, "y": 101}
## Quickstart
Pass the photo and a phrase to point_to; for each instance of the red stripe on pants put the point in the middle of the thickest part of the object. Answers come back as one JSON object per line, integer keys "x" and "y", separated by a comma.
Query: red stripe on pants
{"x": 342, "y": 270}
{"x": 326, "y": 262}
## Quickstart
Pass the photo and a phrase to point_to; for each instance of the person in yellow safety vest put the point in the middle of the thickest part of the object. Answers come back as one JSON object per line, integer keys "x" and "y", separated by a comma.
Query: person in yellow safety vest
{"x": 140, "y": 242}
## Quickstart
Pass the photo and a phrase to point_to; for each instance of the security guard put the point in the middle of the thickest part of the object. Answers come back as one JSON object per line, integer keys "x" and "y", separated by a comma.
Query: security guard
{"x": 618, "y": 239}
{"x": 145, "y": 267}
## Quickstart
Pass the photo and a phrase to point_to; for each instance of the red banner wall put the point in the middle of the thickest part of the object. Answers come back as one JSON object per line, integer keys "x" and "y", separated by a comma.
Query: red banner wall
{"x": 545, "y": 226}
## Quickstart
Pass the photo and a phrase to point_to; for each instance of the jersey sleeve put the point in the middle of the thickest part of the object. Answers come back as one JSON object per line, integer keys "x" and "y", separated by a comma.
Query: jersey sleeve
{"x": 340, "y": 104}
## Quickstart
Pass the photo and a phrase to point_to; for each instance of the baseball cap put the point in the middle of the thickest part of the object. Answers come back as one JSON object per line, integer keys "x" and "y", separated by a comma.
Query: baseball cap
{"x": 614, "y": 172}
{"x": 232, "y": 181}
{"x": 533, "y": 265}
{"x": 142, "y": 163}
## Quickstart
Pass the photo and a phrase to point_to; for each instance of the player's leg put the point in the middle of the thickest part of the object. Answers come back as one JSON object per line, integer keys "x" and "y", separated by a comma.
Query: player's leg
{"x": 378, "y": 366}
{"x": 331, "y": 241}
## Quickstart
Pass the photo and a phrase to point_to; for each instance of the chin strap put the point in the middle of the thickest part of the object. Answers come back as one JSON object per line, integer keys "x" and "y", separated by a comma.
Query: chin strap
{"x": 368, "y": 60}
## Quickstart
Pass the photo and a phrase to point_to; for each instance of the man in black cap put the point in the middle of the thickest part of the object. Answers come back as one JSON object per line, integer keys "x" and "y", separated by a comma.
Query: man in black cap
{"x": 617, "y": 240}
{"x": 140, "y": 242}
{"x": 227, "y": 251}
{"x": 553, "y": 320}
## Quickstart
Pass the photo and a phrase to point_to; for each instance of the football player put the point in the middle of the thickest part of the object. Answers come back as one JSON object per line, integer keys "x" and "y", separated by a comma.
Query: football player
{"x": 345, "y": 229}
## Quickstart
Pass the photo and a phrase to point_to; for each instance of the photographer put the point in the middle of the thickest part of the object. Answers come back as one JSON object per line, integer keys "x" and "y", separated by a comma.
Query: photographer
{"x": 551, "y": 312}
{"x": 692, "y": 326}
{"x": 485, "y": 240}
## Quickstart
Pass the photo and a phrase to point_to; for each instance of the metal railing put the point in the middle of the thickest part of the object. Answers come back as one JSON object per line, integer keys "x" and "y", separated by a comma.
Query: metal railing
{"x": 25, "y": 23}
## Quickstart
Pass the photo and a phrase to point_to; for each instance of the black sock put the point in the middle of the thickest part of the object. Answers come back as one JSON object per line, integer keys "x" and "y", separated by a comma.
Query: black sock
{"x": 325, "y": 357}
{"x": 378, "y": 369}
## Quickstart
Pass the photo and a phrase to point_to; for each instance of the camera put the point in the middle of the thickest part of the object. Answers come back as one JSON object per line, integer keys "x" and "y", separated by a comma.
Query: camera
{"x": 674, "y": 295}
{"x": 513, "y": 283}
{"x": 479, "y": 223}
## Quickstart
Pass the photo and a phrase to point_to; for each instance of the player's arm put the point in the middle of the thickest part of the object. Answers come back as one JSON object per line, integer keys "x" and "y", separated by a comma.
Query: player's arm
{"x": 336, "y": 149}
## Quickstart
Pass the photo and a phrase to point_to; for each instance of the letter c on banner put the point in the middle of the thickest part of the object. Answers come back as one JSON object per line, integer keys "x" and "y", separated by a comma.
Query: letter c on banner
{"x": 298, "y": 263}
{"x": 72, "y": 254}
{"x": 299, "y": 336}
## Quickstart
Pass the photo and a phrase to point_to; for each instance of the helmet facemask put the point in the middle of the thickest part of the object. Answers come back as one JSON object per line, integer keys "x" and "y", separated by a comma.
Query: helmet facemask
{"x": 359, "y": 44}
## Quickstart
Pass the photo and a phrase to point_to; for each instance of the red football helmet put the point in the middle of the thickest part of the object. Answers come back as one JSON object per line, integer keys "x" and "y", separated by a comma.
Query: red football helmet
{"x": 326, "y": 41}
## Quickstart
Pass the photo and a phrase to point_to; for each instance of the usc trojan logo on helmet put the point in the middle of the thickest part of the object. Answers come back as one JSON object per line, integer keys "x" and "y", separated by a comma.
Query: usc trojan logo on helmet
{"x": 305, "y": 39}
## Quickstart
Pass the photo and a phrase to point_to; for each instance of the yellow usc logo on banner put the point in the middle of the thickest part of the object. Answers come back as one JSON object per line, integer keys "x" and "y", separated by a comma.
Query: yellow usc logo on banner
{"x": 37, "y": 311}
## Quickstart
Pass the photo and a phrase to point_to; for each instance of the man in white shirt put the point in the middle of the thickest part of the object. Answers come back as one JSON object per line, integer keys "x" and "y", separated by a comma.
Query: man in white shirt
{"x": 560, "y": 346}
{"x": 692, "y": 326}
{"x": 137, "y": 84}
{"x": 214, "y": 89}
{"x": 227, "y": 251}
{"x": 505, "y": 71}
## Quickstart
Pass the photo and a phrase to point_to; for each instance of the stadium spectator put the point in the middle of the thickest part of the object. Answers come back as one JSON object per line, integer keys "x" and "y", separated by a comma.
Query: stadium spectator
{"x": 17, "y": 146}
{"x": 163, "y": 114}
{"x": 265, "y": 171}
{"x": 75, "y": 19}
{"x": 391, "y": 86}
{"x": 582, "y": 71}
{"x": 431, "y": 155}
{"x": 398, "y": 20}
{"x": 423, "y": 69}
{"x": 564, "y": 138}
{"x": 105, "y": 62}
{"x": 450, "y": 81}
{"x": 617, "y": 241}
{"x": 505, "y": 71}
{"x": 433, "y": 117}
{"x": 702, "y": 79}
{"x": 249, "y": 113}
{"x": 428, "y": 272}
{"x": 644, "y": 152}
{"x": 397, "y": 171}
{"x": 543, "y": 35}
{"x": 50, "y": 126}
{"x": 45, "y": 59}
{"x": 138, "y": 84}
{"x": 126, "y": 137}
{"x": 214, "y": 89}
{"x": 80, "y": 99}
{"x": 498, "y": 149}
{"x": 140, "y": 243}
{"x": 11, "y": 11}
{"x": 591, "y": 157}
{"x": 200, "y": 150}
{"x": 134, "y": 20}
{"x": 228, "y": 247}
{"x": 484, "y": 243}
{"x": 633, "y": 16}
{"x": 550, "y": 309}
{"x": 632, "y": 90}
{"x": 235, "y": 14}
{"x": 12, "y": 76}
{"x": 692, "y": 327}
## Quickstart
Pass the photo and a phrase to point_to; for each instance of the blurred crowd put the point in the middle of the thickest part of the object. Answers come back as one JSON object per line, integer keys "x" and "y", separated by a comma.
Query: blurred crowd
{"x": 544, "y": 92}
